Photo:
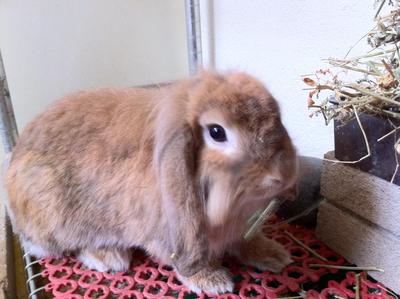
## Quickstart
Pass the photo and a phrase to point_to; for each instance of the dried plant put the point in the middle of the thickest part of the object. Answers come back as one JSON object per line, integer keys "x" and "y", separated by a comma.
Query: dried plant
{"x": 367, "y": 83}
{"x": 364, "y": 84}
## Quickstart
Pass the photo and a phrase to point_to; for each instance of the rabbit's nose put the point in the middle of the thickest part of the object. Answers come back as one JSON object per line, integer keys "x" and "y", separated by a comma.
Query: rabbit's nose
{"x": 273, "y": 180}
{"x": 277, "y": 182}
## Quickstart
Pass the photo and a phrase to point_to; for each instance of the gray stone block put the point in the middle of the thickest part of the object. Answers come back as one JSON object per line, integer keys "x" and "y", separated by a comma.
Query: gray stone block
{"x": 368, "y": 196}
{"x": 361, "y": 243}
{"x": 308, "y": 192}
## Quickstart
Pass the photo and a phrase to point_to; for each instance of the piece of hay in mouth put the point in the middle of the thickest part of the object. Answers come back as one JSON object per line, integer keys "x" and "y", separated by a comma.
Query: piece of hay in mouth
{"x": 258, "y": 218}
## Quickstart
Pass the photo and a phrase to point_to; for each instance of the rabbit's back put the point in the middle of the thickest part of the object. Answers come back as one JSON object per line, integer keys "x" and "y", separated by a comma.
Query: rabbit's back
{"x": 76, "y": 165}
{"x": 81, "y": 120}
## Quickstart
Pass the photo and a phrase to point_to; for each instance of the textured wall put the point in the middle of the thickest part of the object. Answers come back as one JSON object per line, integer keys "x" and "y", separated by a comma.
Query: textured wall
{"x": 279, "y": 41}
{"x": 51, "y": 48}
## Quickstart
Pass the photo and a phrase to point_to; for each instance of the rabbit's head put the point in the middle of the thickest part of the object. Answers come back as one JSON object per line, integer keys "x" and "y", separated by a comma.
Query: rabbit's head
{"x": 246, "y": 156}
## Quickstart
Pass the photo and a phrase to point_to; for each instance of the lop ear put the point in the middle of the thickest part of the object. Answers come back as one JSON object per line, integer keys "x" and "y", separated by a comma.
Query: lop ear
{"x": 175, "y": 165}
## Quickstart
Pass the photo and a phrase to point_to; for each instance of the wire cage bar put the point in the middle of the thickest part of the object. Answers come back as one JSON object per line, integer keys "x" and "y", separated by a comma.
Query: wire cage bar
{"x": 193, "y": 32}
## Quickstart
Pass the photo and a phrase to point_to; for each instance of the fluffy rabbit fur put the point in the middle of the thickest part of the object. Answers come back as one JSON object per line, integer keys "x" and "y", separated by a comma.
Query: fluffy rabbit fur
{"x": 101, "y": 172}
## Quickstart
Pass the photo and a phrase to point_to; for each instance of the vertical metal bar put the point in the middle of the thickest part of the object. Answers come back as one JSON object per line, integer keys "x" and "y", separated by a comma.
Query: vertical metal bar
{"x": 8, "y": 126}
{"x": 29, "y": 271}
{"x": 193, "y": 32}
{"x": 8, "y": 131}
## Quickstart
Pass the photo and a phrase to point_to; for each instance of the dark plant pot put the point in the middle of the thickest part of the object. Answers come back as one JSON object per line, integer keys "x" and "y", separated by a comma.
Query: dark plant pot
{"x": 350, "y": 145}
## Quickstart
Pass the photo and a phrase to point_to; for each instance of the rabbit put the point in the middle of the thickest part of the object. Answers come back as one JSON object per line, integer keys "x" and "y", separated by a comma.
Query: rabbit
{"x": 175, "y": 170}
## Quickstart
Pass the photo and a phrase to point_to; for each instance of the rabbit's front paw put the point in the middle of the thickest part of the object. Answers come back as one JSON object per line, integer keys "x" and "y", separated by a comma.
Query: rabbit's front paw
{"x": 106, "y": 260}
{"x": 209, "y": 280}
{"x": 265, "y": 254}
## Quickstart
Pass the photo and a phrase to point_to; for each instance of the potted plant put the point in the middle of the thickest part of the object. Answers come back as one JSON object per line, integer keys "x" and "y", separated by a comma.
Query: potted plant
{"x": 362, "y": 97}
{"x": 361, "y": 178}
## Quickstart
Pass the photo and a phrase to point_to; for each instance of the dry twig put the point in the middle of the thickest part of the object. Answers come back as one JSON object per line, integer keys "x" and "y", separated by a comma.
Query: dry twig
{"x": 313, "y": 252}
{"x": 365, "y": 140}
{"x": 259, "y": 219}
{"x": 357, "y": 288}
{"x": 388, "y": 134}
{"x": 308, "y": 210}
{"x": 350, "y": 268}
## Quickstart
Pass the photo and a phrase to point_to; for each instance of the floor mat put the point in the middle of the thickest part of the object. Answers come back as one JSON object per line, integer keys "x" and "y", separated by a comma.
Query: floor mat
{"x": 67, "y": 278}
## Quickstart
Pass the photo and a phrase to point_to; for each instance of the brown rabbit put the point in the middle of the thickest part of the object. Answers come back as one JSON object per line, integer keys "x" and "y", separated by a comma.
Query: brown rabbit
{"x": 176, "y": 170}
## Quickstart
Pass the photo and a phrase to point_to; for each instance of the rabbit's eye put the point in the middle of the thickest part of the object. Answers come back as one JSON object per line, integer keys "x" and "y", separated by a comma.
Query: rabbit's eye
{"x": 217, "y": 132}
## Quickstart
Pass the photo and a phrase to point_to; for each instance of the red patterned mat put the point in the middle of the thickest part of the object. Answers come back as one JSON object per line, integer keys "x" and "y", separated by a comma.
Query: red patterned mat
{"x": 67, "y": 278}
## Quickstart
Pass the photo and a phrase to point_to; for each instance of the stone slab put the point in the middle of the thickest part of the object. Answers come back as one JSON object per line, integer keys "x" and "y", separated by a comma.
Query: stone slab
{"x": 374, "y": 199}
{"x": 361, "y": 243}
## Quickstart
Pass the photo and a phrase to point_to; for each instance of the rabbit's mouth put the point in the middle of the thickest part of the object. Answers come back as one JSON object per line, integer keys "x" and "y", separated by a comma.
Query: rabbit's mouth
{"x": 223, "y": 202}
{"x": 261, "y": 196}
{"x": 227, "y": 196}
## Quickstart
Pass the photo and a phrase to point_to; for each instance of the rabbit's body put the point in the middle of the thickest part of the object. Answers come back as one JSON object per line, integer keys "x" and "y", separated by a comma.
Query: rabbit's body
{"x": 75, "y": 182}
{"x": 104, "y": 171}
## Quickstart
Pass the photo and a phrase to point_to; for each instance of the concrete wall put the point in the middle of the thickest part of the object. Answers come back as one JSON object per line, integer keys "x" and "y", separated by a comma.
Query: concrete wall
{"x": 279, "y": 41}
{"x": 51, "y": 48}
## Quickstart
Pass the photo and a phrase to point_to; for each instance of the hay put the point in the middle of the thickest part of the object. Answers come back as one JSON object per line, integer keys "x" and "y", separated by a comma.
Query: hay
{"x": 373, "y": 86}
